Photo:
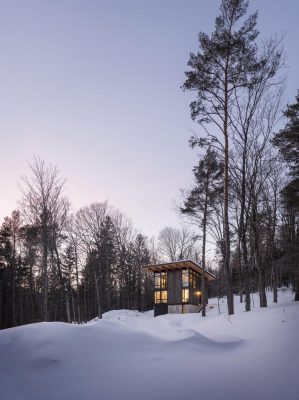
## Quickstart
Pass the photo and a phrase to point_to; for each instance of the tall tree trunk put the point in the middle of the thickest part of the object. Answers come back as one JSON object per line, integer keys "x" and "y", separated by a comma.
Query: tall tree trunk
{"x": 297, "y": 284}
{"x": 243, "y": 224}
{"x": 246, "y": 276}
{"x": 97, "y": 288}
{"x": 204, "y": 234}
{"x": 274, "y": 282}
{"x": 64, "y": 286}
{"x": 45, "y": 280}
{"x": 226, "y": 233}
{"x": 77, "y": 284}
{"x": 260, "y": 264}
{"x": 14, "y": 278}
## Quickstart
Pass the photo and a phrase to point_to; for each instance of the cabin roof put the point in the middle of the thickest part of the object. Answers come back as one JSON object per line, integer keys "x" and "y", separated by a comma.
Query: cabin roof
{"x": 179, "y": 265}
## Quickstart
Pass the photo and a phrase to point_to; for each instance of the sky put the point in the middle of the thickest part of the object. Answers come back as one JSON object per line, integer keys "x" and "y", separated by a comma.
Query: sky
{"x": 94, "y": 87}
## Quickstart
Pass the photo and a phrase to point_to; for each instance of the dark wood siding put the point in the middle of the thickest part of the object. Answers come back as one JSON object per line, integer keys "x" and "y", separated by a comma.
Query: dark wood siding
{"x": 174, "y": 287}
{"x": 195, "y": 299}
{"x": 170, "y": 287}
{"x": 160, "y": 309}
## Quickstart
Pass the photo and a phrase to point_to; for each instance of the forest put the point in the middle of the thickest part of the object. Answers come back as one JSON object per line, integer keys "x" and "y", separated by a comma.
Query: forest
{"x": 57, "y": 264}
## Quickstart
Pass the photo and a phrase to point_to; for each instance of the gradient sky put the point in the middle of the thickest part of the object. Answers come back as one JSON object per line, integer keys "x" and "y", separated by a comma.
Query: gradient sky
{"x": 94, "y": 88}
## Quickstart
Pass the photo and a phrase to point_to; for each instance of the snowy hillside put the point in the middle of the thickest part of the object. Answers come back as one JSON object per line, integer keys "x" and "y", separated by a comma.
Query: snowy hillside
{"x": 128, "y": 356}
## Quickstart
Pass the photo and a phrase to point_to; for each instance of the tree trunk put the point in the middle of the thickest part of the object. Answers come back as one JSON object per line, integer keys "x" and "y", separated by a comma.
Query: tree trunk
{"x": 204, "y": 234}
{"x": 297, "y": 286}
{"x": 226, "y": 233}
{"x": 45, "y": 281}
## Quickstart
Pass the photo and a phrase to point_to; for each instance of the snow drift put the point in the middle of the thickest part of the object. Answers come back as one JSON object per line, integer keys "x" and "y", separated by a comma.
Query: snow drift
{"x": 130, "y": 355}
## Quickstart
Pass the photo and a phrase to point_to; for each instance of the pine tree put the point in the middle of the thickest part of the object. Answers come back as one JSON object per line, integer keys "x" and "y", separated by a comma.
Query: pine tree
{"x": 199, "y": 202}
{"x": 107, "y": 260}
{"x": 140, "y": 258}
{"x": 287, "y": 140}
{"x": 224, "y": 64}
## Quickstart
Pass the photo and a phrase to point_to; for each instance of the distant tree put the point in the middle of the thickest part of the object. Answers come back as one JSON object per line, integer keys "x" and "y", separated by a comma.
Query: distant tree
{"x": 176, "y": 244}
{"x": 72, "y": 261}
{"x": 89, "y": 222}
{"x": 30, "y": 247}
{"x": 42, "y": 203}
{"x": 107, "y": 260}
{"x": 9, "y": 268}
{"x": 140, "y": 259}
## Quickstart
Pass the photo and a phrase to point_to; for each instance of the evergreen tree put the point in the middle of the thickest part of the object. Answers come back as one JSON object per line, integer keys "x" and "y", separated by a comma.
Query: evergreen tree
{"x": 201, "y": 199}
{"x": 287, "y": 140}
{"x": 140, "y": 258}
{"x": 10, "y": 265}
{"x": 107, "y": 261}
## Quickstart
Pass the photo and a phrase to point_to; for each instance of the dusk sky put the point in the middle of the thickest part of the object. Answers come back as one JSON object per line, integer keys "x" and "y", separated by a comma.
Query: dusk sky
{"x": 94, "y": 88}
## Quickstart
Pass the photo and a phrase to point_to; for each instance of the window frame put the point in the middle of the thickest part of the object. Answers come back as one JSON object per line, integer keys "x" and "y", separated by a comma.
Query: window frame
{"x": 161, "y": 278}
{"x": 185, "y": 274}
{"x": 160, "y": 286}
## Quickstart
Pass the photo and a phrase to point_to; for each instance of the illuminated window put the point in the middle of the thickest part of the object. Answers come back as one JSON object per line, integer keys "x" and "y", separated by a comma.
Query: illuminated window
{"x": 164, "y": 296}
{"x": 163, "y": 280}
{"x": 157, "y": 297}
{"x": 193, "y": 279}
{"x": 157, "y": 280}
{"x": 160, "y": 296}
{"x": 185, "y": 295}
{"x": 185, "y": 278}
{"x": 160, "y": 280}
{"x": 160, "y": 286}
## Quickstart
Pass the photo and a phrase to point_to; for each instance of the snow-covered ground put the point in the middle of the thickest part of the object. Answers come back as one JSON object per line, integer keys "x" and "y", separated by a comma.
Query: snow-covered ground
{"x": 133, "y": 356}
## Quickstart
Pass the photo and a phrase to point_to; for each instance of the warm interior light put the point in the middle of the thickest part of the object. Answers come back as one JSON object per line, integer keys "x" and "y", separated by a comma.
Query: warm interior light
{"x": 198, "y": 293}
{"x": 185, "y": 295}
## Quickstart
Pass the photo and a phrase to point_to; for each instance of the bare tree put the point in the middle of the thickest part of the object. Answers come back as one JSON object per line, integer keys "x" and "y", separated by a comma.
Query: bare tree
{"x": 41, "y": 204}
{"x": 256, "y": 112}
{"x": 176, "y": 244}
{"x": 88, "y": 221}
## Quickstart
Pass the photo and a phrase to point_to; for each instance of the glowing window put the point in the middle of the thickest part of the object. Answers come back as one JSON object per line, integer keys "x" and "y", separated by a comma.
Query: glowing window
{"x": 157, "y": 297}
{"x": 163, "y": 280}
{"x": 192, "y": 279}
{"x": 185, "y": 278}
{"x": 160, "y": 280}
{"x": 157, "y": 280}
{"x": 185, "y": 295}
{"x": 164, "y": 296}
{"x": 160, "y": 296}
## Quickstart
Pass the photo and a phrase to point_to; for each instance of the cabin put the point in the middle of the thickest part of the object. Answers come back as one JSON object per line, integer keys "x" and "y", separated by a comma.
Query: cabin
{"x": 178, "y": 287}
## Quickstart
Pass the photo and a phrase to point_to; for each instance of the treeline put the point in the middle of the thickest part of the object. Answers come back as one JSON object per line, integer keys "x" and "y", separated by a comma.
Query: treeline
{"x": 58, "y": 266}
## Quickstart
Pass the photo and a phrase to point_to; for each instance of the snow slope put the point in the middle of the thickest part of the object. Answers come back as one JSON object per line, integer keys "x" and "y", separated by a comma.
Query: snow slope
{"x": 129, "y": 355}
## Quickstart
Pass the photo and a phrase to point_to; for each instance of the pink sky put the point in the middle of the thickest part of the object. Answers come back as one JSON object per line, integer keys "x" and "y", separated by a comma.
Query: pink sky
{"x": 94, "y": 87}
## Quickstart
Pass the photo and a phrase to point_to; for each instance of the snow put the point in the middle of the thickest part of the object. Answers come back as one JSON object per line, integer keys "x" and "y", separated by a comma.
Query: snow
{"x": 131, "y": 355}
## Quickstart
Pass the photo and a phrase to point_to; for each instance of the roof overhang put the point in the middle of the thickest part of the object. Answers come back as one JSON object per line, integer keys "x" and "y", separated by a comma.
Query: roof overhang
{"x": 179, "y": 265}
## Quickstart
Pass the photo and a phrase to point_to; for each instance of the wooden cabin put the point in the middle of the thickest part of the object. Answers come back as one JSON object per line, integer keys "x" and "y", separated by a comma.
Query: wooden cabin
{"x": 178, "y": 286}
